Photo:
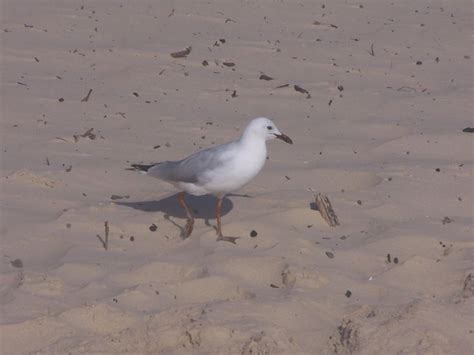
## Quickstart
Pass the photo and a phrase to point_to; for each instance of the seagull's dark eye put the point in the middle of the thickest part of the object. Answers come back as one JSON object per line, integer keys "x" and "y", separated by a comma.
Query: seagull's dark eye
{"x": 269, "y": 128}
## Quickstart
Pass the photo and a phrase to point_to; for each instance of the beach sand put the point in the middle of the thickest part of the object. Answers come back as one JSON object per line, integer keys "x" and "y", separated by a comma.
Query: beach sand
{"x": 383, "y": 93}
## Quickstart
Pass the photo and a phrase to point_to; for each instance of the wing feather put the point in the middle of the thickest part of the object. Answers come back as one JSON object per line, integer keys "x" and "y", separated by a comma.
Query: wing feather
{"x": 193, "y": 168}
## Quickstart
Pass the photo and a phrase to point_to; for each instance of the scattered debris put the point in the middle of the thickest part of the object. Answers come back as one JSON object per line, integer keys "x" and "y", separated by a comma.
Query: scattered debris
{"x": 345, "y": 339}
{"x": 106, "y": 230}
{"x": 86, "y": 134}
{"x": 171, "y": 13}
{"x": 253, "y": 233}
{"x": 359, "y": 202}
{"x": 228, "y": 64}
{"x": 340, "y": 87}
{"x": 86, "y": 98}
{"x": 182, "y": 54}
{"x": 317, "y": 23}
{"x": 205, "y": 63}
{"x": 303, "y": 91}
{"x": 265, "y": 77}
{"x": 348, "y": 293}
{"x": 105, "y": 241}
{"x": 153, "y": 227}
{"x": 61, "y": 99}
{"x": 282, "y": 86}
{"x": 17, "y": 263}
{"x": 447, "y": 220}
{"x": 371, "y": 52}
{"x": 323, "y": 205}
{"x": 118, "y": 197}
{"x": 330, "y": 255}
{"x": 419, "y": 62}
{"x": 274, "y": 286}
{"x": 406, "y": 89}
{"x": 234, "y": 93}
{"x": 395, "y": 260}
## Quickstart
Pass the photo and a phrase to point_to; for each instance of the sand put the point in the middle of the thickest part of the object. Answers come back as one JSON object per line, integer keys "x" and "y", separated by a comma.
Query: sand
{"x": 379, "y": 130}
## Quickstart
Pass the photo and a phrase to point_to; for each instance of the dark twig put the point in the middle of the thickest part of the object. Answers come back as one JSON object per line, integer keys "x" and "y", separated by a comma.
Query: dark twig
{"x": 105, "y": 241}
{"x": 106, "y": 227}
{"x": 303, "y": 91}
{"x": 181, "y": 54}
{"x": 371, "y": 52}
{"x": 85, "y": 99}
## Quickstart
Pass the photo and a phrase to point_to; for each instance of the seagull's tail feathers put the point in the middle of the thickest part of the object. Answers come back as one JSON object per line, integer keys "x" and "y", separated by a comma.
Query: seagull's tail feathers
{"x": 170, "y": 171}
{"x": 142, "y": 168}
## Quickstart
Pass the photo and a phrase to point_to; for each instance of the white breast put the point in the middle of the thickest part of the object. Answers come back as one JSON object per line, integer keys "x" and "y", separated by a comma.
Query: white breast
{"x": 239, "y": 169}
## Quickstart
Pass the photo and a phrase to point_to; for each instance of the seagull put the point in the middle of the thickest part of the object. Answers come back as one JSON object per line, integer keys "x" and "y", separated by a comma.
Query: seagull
{"x": 218, "y": 170}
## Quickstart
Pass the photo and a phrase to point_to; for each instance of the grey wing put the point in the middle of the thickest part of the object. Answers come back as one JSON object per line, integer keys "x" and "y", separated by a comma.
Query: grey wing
{"x": 193, "y": 168}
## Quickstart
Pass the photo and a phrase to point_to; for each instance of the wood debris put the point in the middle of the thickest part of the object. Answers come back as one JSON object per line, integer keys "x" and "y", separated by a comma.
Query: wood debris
{"x": 303, "y": 91}
{"x": 86, "y": 98}
{"x": 323, "y": 205}
{"x": 86, "y": 134}
{"x": 182, "y": 54}
{"x": 265, "y": 77}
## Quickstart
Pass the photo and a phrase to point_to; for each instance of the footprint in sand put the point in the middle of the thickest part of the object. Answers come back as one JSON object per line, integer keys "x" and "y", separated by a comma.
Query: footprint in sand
{"x": 25, "y": 176}
{"x": 273, "y": 272}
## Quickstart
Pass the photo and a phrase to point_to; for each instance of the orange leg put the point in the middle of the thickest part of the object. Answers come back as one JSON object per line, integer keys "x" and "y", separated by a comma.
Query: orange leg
{"x": 219, "y": 224}
{"x": 218, "y": 216}
{"x": 188, "y": 229}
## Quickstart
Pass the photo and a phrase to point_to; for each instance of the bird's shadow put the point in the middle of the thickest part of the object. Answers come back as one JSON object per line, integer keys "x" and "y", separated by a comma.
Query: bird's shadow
{"x": 202, "y": 207}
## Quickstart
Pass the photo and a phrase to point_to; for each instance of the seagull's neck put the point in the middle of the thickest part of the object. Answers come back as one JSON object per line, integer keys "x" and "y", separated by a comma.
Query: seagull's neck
{"x": 252, "y": 140}
{"x": 255, "y": 146}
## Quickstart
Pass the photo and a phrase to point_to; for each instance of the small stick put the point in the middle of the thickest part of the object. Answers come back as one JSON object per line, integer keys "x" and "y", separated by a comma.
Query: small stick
{"x": 325, "y": 208}
{"x": 106, "y": 243}
{"x": 303, "y": 91}
{"x": 372, "y": 53}
{"x": 85, "y": 99}
{"x": 182, "y": 54}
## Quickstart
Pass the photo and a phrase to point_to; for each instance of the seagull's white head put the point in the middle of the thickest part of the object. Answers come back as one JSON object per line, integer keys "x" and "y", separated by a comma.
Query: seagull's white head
{"x": 264, "y": 128}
